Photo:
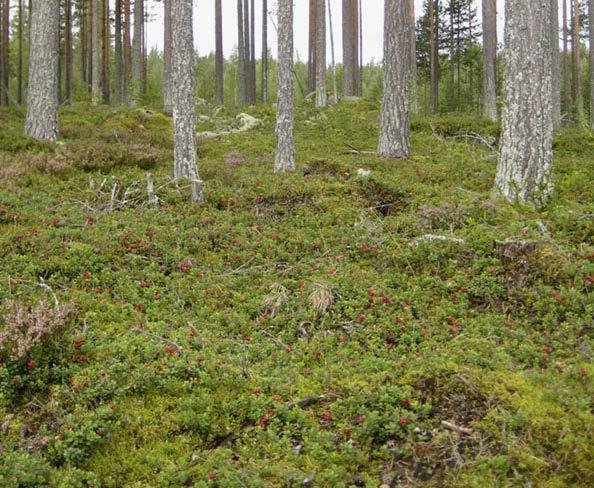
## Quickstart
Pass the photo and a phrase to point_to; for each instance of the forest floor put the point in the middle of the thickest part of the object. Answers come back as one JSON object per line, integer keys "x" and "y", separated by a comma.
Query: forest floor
{"x": 295, "y": 330}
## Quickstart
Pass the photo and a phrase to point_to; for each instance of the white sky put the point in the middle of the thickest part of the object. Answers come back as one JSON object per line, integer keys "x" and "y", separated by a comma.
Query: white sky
{"x": 204, "y": 26}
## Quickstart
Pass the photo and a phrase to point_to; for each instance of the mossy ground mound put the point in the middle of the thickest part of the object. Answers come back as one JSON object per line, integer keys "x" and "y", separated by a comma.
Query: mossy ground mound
{"x": 199, "y": 354}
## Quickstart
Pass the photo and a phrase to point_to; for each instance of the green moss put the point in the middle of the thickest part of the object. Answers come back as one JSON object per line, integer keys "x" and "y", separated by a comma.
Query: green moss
{"x": 198, "y": 326}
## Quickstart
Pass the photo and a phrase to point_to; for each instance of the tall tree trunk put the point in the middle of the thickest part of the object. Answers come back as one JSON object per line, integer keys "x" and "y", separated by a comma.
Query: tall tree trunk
{"x": 313, "y": 31}
{"x": 490, "y": 59}
{"x": 184, "y": 107}
{"x": 264, "y": 83}
{"x": 127, "y": 54}
{"x": 2, "y": 63}
{"x": 412, "y": 61}
{"x": 434, "y": 54}
{"x": 137, "y": 51}
{"x": 106, "y": 51}
{"x": 576, "y": 62}
{"x": 20, "y": 62}
{"x": 241, "y": 57}
{"x": 350, "y": 47}
{"x": 527, "y": 132}
{"x": 285, "y": 143}
{"x": 219, "y": 59}
{"x": 144, "y": 50}
{"x": 118, "y": 64}
{"x": 321, "y": 94}
{"x": 95, "y": 27}
{"x": 591, "y": 23}
{"x": 90, "y": 6}
{"x": 68, "y": 50}
{"x": 167, "y": 100}
{"x": 360, "y": 49}
{"x": 555, "y": 63}
{"x": 334, "y": 83}
{"x": 5, "y": 51}
{"x": 566, "y": 74}
{"x": 42, "y": 94}
{"x": 253, "y": 51}
{"x": 394, "y": 139}
{"x": 248, "y": 49}
{"x": 83, "y": 38}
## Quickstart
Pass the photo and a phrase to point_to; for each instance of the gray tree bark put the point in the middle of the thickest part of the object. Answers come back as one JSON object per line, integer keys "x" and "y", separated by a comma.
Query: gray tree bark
{"x": 490, "y": 59}
{"x": 555, "y": 63}
{"x": 394, "y": 139}
{"x": 241, "y": 57}
{"x": 413, "y": 75}
{"x": 321, "y": 94}
{"x": 285, "y": 145}
{"x": 577, "y": 93}
{"x": 95, "y": 39}
{"x": 184, "y": 108}
{"x": 118, "y": 66}
{"x": 434, "y": 55}
{"x": 311, "y": 61}
{"x": 42, "y": 94}
{"x": 264, "y": 83}
{"x": 527, "y": 132}
{"x": 334, "y": 83}
{"x": 137, "y": 51}
{"x": 219, "y": 60}
{"x": 167, "y": 95}
{"x": 591, "y": 18}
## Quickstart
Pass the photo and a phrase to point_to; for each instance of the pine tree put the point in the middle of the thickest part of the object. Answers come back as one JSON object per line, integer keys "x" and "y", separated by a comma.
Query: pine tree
{"x": 285, "y": 145}
{"x": 490, "y": 59}
{"x": 42, "y": 94}
{"x": 184, "y": 107}
{"x": 527, "y": 132}
{"x": 137, "y": 51}
{"x": 219, "y": 60}
{"x": 394, "y": 140}
{"x": 167, "y": 88}
{"x": 321, "y": 94}
{"x": 264, "y": 83}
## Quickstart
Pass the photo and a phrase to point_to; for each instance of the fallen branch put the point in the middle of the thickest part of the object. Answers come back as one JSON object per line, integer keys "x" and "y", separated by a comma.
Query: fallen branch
{"x": 433, "y": 238}
{"x": 306, "y": 402}
{"x": 456, "y": 428}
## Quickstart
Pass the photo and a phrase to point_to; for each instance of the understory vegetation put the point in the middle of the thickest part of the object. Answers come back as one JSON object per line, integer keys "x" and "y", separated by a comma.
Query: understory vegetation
{"x": 327, "y": 328}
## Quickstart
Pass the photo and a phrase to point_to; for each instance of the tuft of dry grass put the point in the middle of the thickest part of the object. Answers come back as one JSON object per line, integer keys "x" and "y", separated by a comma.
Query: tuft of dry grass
{"x": 275, "y": 300}
{"x": 322, "y": 297}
